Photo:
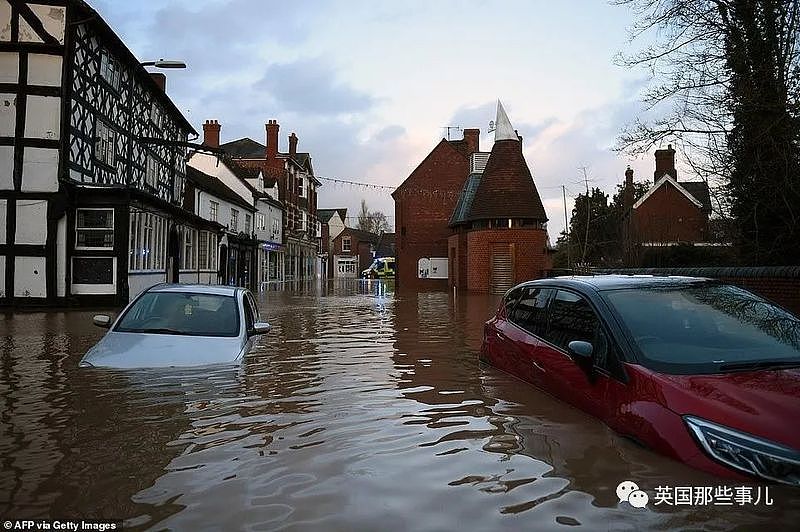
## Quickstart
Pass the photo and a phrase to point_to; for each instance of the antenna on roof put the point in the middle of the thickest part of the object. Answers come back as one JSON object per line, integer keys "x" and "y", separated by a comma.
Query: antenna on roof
{"x": 491, "y": 126}
{"x": 448, "y": 128}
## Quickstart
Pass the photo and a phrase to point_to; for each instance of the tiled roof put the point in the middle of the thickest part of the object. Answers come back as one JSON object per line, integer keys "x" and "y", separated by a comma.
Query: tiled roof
{"x": 363, "y": 236}
{"x": 698, "y": 189}
{"x": 465, "y": 199}
{"x": 245, "y": 148}
{"x": 506, "y": 189}
{"x": 325, "y": 215}
{"x": 214, "y": 186}
{"x": 386, "y": 245}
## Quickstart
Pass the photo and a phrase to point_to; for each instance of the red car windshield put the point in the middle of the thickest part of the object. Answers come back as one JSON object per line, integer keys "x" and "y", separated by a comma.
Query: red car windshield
{"x": 707, "y": 329}
{"x": 182, "y": 313}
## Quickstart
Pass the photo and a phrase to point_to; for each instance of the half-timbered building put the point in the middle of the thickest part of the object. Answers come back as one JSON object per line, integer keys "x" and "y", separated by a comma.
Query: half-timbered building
{"x": 92, "y": 162}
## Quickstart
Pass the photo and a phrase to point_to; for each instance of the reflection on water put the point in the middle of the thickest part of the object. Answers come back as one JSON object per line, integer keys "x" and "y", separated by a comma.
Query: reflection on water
{"x": 362, "y": 409}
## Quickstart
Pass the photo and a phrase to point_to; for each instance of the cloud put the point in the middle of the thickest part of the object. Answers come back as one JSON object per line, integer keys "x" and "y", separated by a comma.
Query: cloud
{"x": 311, "y": 86}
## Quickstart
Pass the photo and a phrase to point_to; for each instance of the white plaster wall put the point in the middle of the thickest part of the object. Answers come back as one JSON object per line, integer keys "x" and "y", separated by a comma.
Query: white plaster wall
{"x": 204, "y": 200}
{"x": 30, "y": 277}
{"x": 198, "y": 277}
{"x": 3, "y": 218}
{"x": 43, "y": 117}
{"x": 270, "y": 213}
{"x": 44, "y": 70}
{"x": 8, "y": 114}
{"x": 2, "y": 276}
{"x": 31, "y": 222}
{"x": 40, "y": 170}
{"x": 335, "y": 225}
{"x": 6, "y": 167}
{"x": 208, "y": 164}
{"x": 140, "y": 282}
{"x": 53, "y": 19}
{"x": 26, "y": 33}
{"x": 9, "y": 67}
{"x": 5, "y": 21}
{"x": 61, "y": 257}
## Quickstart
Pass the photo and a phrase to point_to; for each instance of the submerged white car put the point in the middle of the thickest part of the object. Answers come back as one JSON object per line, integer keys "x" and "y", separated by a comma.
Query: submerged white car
{"x": 179, "y": 325}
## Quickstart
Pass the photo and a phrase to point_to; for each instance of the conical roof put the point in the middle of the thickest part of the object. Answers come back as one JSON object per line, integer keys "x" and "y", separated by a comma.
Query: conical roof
{"x": 506, "y": 188}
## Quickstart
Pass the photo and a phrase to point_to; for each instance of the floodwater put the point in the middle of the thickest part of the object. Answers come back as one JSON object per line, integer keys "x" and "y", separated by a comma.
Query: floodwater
{"x": 361, "y": 410}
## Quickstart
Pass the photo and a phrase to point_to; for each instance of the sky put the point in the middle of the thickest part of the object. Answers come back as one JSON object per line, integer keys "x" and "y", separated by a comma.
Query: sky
{"x": 369, "y": 86}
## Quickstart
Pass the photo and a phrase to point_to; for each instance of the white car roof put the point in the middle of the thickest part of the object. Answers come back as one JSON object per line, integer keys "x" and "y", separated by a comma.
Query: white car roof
{"x": 221, "y": 290}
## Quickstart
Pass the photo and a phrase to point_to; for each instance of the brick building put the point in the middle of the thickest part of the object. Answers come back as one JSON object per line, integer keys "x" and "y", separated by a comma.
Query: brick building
{"x": 470, "y": 219}
{"x": 352, "y": 251}
{"x": 423, "y": 205}
{"x": 499, "y": 223}
{"x": 672, "y": 211}
{"x": 297, "y": 192}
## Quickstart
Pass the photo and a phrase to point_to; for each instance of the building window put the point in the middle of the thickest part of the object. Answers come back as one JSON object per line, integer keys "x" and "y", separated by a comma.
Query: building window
{"x": 248, "y": 220}
{"x": 104, "y": 143}
{"x": 275, "y": 229}
{"x": 153, "y": 170}
{"x": 94, "y": 275}
{"x": 148, "y": 241}
{"x": 301, "y": 188}
{"x": 94, "y": 229}
{"x": 207, "y": 251}
{"x": 189, "y": 257}
{"x": 213, "y": 210}
{"x": 156, "y": 115}
{"x": 346, "y": 244}
{"x": 234, "y": 220}
{"x": 109, "y": 69}
{"x": 261, "y": 224}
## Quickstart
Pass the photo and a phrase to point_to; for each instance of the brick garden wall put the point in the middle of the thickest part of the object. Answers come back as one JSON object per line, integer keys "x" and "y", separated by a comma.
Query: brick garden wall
{"x": 780, "y": 284}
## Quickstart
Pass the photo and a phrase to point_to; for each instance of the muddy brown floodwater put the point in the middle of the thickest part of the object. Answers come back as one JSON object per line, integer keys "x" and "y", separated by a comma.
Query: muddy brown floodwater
{"x": 362, "y": 410}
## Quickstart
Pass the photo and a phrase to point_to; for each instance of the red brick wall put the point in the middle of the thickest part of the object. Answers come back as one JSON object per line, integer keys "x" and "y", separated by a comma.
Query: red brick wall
{"x": 357, "y": 249}
{"x": 669, "y": 216}
{"x": 530, "y": 258}
{"x": 423, "y": 206}
{"x": 457, "y": 264}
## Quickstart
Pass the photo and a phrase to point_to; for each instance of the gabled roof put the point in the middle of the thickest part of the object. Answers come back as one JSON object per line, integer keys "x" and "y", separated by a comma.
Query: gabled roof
{"x": 465, "y": 200}
{"x": 386, "y": 245}
{"x": 506, "y": 188}
{"x": 460, "y": 146}
{"x": 363, "y": 236}
{"x": 700, "y": 188}
{"x": 214, "y": 186}
{"x": 245, "y": 148}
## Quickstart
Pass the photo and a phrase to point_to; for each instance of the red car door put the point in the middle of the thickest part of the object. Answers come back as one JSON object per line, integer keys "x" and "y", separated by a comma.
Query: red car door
{"x": 599, "y": 390}
{"x": 528, "y": 321}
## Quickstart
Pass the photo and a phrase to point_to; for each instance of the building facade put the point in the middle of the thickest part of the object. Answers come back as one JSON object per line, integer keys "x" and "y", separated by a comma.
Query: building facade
{"x": 92, "y": 162}
{"x": 353, "y": 251}
{"x": 424, "y": 203}
{"x": 332, "y": 222}
{"x": 297, "y": 192}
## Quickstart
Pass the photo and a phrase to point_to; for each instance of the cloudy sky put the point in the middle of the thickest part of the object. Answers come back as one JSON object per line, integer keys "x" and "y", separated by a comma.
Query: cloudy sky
{"x": 368, "y": 86}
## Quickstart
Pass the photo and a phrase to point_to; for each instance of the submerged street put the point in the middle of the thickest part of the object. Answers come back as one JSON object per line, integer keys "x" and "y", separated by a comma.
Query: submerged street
{"x": 362, "y": 409}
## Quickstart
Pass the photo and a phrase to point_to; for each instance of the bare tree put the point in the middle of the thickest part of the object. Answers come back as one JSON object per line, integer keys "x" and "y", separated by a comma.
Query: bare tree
{"x": 372, "y": 221}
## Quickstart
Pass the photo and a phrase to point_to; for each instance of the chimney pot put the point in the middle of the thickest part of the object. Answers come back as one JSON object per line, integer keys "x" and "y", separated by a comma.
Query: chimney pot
{"x": 292, "y": 145}
{"x": 665, "y": 163}
{"x": 272, "y": 139}
{"x": 472, "y": 136}
{"x": 211, "y": 133}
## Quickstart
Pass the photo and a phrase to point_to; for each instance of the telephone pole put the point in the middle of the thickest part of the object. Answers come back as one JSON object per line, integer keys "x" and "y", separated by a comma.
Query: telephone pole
{"x": 566, "y": 226}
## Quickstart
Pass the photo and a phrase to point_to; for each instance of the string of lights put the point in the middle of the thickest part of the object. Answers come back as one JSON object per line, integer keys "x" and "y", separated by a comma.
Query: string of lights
{"x": 357, "y": 183}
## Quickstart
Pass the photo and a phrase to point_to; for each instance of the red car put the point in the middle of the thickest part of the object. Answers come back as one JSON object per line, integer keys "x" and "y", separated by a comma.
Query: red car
{"x": 701, "y": 371}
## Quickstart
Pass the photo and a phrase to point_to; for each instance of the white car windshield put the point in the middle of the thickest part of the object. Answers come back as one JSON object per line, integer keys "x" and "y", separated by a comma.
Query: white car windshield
{"x": 182, "y": 313}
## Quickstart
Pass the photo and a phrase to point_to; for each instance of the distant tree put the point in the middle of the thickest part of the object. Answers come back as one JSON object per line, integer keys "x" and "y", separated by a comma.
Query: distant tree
{"x": 372, "y": 221}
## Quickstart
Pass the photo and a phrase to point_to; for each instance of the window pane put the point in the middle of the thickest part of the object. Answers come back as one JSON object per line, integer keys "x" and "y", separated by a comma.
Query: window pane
{"x": 90, "y": 270}
{"x": 571, "y": 318}
{"x": 95, "y": 239}
{"x": 531, "y": 311}
{"x": 183, "y": 313}
{"x": 95, "y": 219}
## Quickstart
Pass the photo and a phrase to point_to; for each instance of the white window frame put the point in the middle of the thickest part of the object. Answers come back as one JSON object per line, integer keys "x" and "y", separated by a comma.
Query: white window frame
{"x": 301, "y": 185}
{"x": 248, "y": 223}
{"x": 234, "y": 220}
{"x": 108, "y": 288}
{"x": 189, "y": 255}
{"x": 213, "y": 210}
{"x": 152, "y": 171}
{"x": 110, "y": 69}
{"x": 103, "y": 229}
{"x": 347, "y": 244}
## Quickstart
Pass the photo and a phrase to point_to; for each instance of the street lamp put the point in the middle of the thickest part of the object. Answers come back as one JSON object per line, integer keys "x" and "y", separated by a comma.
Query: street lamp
{"x": 164, "y": 63}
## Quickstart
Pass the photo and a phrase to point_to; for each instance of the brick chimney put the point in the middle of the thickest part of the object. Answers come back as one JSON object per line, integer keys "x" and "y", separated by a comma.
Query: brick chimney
{"x": 160, "y": 79}
{"x": 272, "y": 139}
{"x": 665, "y": 163}
{"x": 628, "y": 194}
{"x": 472, "y": 136}
{"x": 211, "y": 133}
{"x": 292, "y": 145}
